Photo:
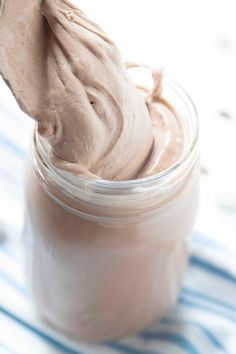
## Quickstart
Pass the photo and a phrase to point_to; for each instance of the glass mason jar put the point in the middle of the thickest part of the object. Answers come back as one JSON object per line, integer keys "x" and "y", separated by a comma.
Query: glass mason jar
{"x": 107, "y": 258}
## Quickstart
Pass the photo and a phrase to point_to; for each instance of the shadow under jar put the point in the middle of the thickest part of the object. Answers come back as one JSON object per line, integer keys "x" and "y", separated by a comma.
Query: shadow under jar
{"x": 107, "y": 258}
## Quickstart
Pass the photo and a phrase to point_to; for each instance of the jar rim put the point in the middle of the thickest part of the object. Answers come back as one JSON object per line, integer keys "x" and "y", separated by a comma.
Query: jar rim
{"x": 140, "y": 182}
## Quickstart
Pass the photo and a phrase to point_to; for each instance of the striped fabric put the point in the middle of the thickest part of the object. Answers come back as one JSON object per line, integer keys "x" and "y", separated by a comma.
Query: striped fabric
{"x": 202, "y": 322}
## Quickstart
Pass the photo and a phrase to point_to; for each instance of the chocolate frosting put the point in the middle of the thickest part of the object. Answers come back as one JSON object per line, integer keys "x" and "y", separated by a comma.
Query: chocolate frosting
{"x": 69, "y": 76}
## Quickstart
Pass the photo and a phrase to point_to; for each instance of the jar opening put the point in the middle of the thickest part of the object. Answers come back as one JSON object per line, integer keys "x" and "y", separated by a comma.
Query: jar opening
{"x": 191, "y": 118}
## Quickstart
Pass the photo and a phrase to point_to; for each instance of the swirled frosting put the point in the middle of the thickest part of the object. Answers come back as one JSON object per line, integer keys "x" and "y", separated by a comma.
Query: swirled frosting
{"x": 69, "y": 76}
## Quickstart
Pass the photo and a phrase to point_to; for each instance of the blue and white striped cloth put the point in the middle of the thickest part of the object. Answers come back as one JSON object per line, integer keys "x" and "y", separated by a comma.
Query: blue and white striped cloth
{"x": 202, "y": 322}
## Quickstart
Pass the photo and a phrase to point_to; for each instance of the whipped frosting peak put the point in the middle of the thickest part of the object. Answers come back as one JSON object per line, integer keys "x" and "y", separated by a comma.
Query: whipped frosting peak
{"x": 88, "y": 109}
{"x": 69, "y": 77}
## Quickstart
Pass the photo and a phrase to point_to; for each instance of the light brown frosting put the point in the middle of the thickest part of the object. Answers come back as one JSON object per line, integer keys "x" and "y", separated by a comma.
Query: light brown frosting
{"x": 68, "y": 75}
